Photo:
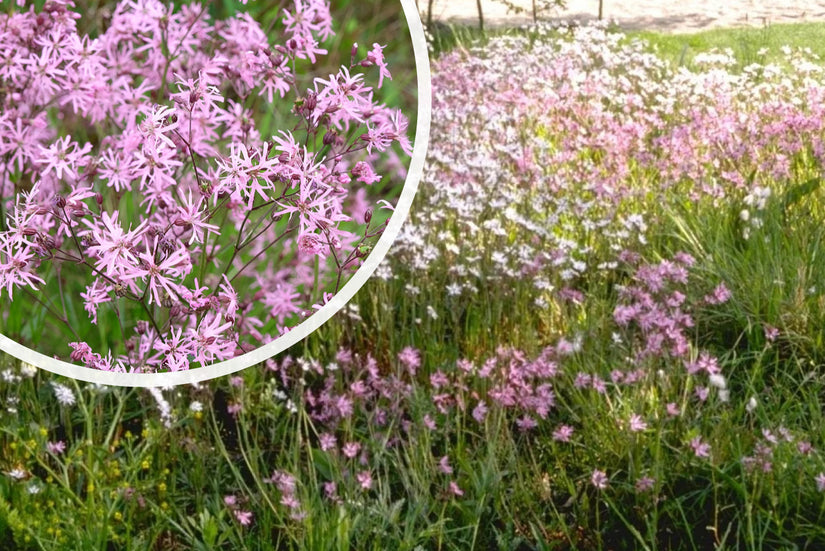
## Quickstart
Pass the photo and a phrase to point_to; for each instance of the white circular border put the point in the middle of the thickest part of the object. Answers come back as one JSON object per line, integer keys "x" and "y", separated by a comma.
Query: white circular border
{"x": 259, "y": 355}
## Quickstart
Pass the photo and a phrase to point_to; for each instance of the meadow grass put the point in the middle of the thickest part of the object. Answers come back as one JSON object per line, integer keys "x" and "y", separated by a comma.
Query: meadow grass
{"x": 142, "y": 472}
{"x": 745, "y": 42}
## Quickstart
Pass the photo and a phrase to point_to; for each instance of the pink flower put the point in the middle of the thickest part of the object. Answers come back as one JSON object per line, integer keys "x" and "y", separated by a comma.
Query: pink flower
{"x": 113, "y": 248}
{"x": 96, "y": 294}
{"x": 13, "y": 272}
{"x": 637, "y": 424}
{"x": 599, "y": 479}
{"x": 351, "y": 449}
{"x": 525, "y": 423}
{"x": 364, "y": 480}
{"x": 700, "y": 449}
{"x": 644, "y": 484}
{"x": 327, "y": 441}
{"x": 364, "y": 173}
{"x": 429, "y": 422}
{"x": 56, "y": 448}
{"x": 158, "y": 124}
{"x": 410, "y": 358}
{"x": 563, "y": 433}
{"x": 480, "y": 412}
{"x": 64, "y": 155}
{"x": 190, "y": 216}
{"x": 243, "y": 517}
{"x": 720, "y": 295}
{"x": 162, "y": 276}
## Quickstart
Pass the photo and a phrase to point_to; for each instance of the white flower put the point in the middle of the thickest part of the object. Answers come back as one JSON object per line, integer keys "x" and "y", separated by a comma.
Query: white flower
{"x": 718, "y": 381}
{"x": 196, "y": 406}
{"x": 17, "y": 474}
{"x": 751, "y": 404}
{"x": 9, "y": 376}
{"x": 27, "y": 370}
{"x": 164, "y": 406}
{"x": 63, "y": 394}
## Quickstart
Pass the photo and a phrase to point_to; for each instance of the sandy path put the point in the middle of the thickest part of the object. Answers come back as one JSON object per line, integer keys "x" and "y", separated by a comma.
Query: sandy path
{"x": 663, "y": 15}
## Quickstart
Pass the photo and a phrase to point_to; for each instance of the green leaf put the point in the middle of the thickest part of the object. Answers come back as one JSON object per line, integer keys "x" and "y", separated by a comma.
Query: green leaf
{"x": 799, "y": 191}
{"x": 322, "y": 463}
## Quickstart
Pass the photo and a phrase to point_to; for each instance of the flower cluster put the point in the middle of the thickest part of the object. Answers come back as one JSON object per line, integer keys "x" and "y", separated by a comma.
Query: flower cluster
{"x": 555, "y": 153}
{"x": 136, "y": 181}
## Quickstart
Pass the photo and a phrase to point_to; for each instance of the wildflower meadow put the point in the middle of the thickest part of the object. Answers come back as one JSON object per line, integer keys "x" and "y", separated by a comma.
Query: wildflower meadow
{"x": 602, "y": 327}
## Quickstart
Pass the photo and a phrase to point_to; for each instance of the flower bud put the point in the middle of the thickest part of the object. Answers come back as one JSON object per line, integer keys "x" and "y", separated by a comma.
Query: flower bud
{"x": 368, "y": 216}
{"x": 166, "y": 245}
{"x": 310, "y": 103}
{"x": 59, "y": 201}
{"x": 46, "y": 241}
{"x": 330, "y": 137}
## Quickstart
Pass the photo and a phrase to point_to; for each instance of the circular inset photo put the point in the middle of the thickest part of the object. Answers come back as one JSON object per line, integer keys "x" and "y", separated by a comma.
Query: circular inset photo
{"x": 189, "y": 189}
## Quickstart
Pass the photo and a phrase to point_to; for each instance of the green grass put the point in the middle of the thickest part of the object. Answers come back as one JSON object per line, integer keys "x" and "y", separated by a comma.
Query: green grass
{"x": 744, "y": 42}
